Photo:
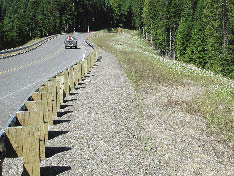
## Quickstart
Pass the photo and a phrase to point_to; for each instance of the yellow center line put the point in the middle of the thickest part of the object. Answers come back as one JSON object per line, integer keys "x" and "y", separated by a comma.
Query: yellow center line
{"x": 32, "y": 63}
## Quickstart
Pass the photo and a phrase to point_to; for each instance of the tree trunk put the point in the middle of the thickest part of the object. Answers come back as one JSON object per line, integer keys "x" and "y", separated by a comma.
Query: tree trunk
{"x": 224, "y": 24}
{"x": 170, "y": 47}
{"x": 151, "y": 34}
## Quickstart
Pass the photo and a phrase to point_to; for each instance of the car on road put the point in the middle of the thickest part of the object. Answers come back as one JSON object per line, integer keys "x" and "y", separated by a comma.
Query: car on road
{"x": 70, "y": 42}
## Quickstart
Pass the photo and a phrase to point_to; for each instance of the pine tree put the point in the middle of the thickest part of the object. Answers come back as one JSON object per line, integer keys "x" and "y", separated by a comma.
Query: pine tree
{"x": 147, "y": 17}
{"x": 137, "y": 8}
{"x": 228, "y": 62}
{"x": 9, "y": 24}
{"x": 1, "y": 24}
{"x": 213, "y": 34}
{"x": 196, "y": 49}
{"x": 183, "y": 33}
{"x": 161, "y": 26}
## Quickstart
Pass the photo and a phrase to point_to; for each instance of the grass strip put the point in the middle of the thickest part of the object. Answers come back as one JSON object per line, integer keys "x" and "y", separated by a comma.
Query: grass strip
{"x": 145, "y": 69}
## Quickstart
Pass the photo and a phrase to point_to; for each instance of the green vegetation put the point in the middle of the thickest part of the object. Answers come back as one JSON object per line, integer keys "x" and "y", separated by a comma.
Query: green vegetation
{"x": 24, "y": 20}
{"x": 193, "y": 31}
{"x": 147, "y": 70}
{"x": 198, "y": 32}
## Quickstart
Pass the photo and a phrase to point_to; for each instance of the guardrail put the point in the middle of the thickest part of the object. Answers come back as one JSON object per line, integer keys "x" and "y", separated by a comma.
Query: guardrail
{"x": 16, "y": 51}
{"x": 90, "y": 44}
{"x": 27, "y": 134}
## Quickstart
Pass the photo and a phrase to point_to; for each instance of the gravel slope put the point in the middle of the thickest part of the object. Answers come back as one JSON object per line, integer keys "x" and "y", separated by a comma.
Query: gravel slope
{"x": 115, "y": 131}
{"x": 102, "y": 131}
{"x": 109, "y": 129}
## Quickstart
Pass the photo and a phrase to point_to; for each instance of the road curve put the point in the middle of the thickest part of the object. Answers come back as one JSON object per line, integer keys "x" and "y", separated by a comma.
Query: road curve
{"x": 21, "y": 75}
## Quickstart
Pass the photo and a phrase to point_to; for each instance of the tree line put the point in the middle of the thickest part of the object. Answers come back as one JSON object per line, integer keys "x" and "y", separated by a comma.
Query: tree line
{"x": 23, "y": 20}
{"x": 200, "y": 32}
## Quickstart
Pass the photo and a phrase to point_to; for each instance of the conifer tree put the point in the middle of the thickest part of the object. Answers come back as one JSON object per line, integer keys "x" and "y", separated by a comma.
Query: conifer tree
{"x": 161, "y": 26}
{"x": 197, "y": 45}
{"x": 183, "y": 32}
{"x": 1, "y": 24}
{"x": 213, "y": 34}
{"x": 228, "y": 60}
{"x": 137, "y": 8}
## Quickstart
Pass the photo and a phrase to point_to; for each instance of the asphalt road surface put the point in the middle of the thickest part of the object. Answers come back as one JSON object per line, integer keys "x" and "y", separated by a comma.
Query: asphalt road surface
{"x": 21, "y": 75}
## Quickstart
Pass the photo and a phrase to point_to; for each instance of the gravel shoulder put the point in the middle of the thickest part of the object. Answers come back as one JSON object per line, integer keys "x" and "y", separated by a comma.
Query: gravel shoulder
{"x": 111, "y": 129}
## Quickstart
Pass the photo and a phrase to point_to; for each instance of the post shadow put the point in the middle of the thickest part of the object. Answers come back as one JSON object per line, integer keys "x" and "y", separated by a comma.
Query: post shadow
{"x": 73, "y": 99}
{"x": 10, "y": 151}
{"x": 53, "y": 170}
{"x": 63, "y": 106}
{"x": 73, "y": 93}
{"x": 60, "y": 114}
{"x": 57, "y": 122}
{"x": 51, "y": 151}
{"x": 54, "y": 134}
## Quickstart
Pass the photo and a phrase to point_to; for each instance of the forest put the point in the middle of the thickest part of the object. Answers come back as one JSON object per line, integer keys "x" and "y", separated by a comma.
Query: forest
{"x": 200, "y": 32}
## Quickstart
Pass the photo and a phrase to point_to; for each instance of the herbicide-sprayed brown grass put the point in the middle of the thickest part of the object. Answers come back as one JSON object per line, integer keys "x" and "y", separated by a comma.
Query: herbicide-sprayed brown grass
{"x": 180, "y": 86}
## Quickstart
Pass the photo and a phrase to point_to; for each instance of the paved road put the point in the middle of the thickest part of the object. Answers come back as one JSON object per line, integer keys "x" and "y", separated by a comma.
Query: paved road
{"x": 21, "y": 75}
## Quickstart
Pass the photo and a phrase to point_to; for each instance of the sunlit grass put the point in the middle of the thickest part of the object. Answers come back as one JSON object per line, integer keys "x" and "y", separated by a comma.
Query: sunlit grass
{"x": 145, "y": 68}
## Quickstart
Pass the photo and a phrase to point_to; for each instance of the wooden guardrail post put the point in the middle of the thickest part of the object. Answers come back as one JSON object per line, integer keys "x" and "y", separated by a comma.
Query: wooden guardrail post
{"x": 53, "y": 89}
{"x": 93, "y": 59}
{"x": 71, "y": 78}
{"x": 46, "y": 97}
{"x": 45, "y": 110}
{"x": 60, "y": 89}
{"x": 66, "y": 83}
{"x": 51, "y": 86}
{"x": 86, "y": 66}
{"x": 33, "y": 118}
{"x": 79, "y": 71}
{"x": 76, "y": 76}
{"x": 96, "y": 55}
{"x": 25, "y": 142}
{"x": 82, "y": 69}
{"x": 37, "y": 96}
{"x": 88, "y": 63}
{"x": 41, "y": 98}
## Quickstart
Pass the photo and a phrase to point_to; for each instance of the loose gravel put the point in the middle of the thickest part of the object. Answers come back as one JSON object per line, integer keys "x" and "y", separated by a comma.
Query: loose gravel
{"x": 110, "y": 129}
